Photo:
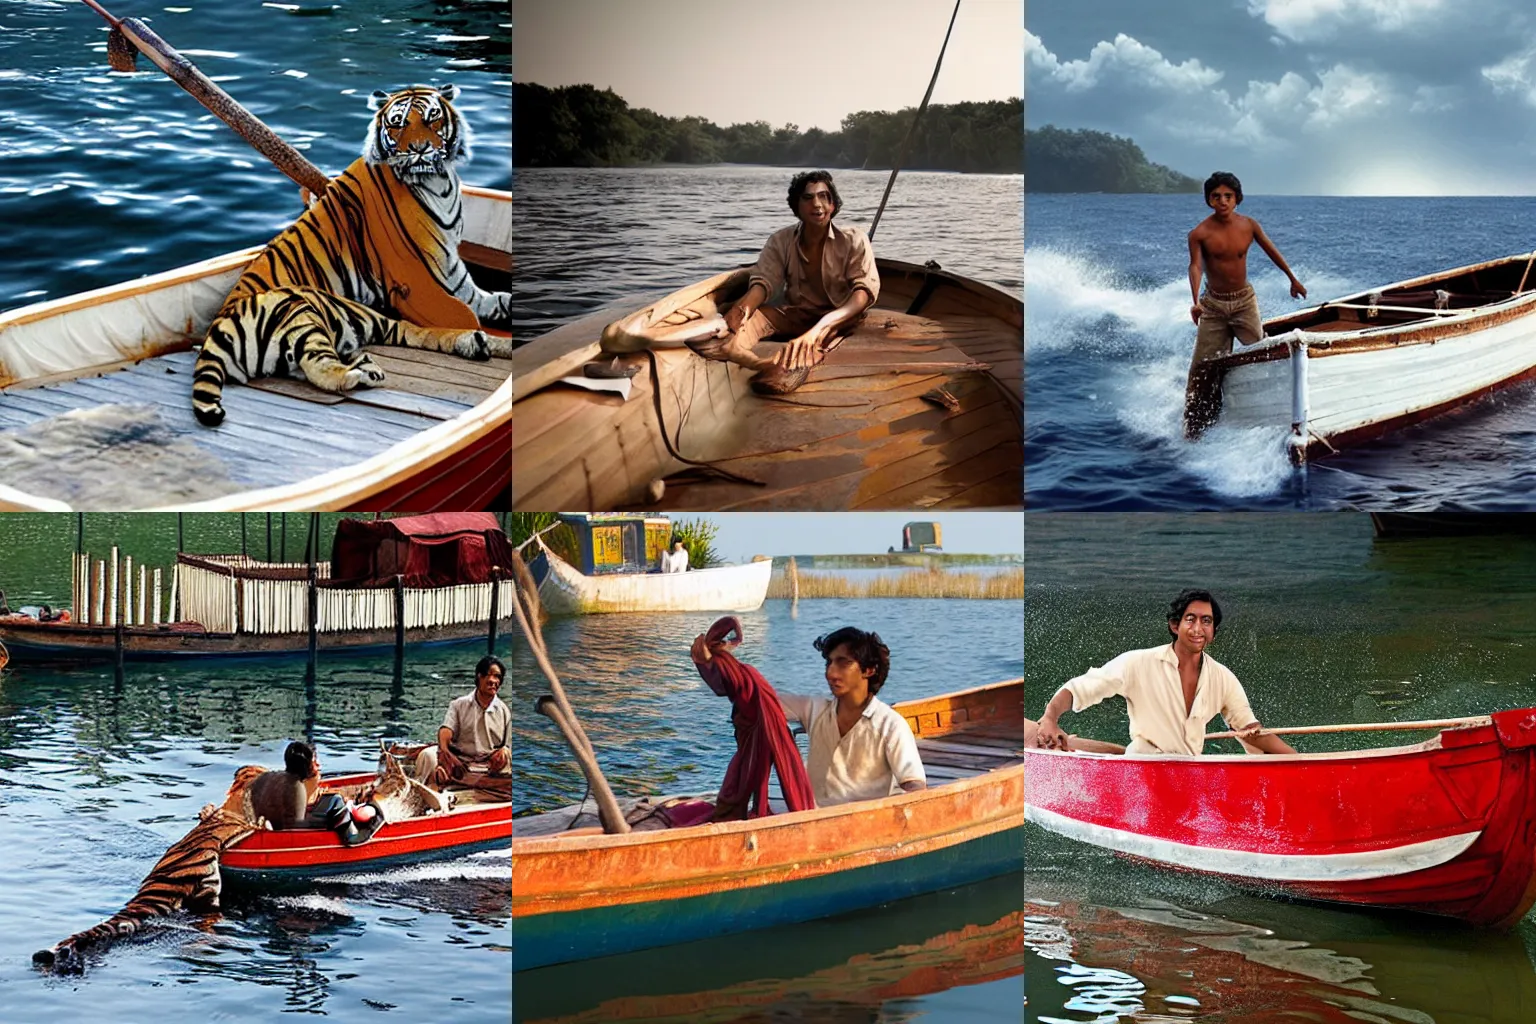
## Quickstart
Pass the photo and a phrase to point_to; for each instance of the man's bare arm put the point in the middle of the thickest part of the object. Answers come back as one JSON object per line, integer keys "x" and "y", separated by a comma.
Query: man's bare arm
{"x": 746, "y": 306}
{"x": 1298, "y": 291}
{"x": 800, "y": 351}
{"x": 914, "y": 786}
{"x": 1195, "y": 267}
{"x": 1267, "y": 743}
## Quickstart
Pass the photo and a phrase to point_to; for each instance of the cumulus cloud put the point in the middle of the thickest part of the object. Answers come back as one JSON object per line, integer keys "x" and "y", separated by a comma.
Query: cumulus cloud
{"x": 1515, "y": 74}
{"x": 1126, "y": 60}
{"x": 1314, "y": 20}
{"x": 1183, "y": 100}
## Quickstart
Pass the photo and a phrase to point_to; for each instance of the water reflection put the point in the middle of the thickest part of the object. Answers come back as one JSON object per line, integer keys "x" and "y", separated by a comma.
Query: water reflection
{"x": 1148, "y": 959}
{"x": 860, "y": 967}
{"x": 106, "y": 774}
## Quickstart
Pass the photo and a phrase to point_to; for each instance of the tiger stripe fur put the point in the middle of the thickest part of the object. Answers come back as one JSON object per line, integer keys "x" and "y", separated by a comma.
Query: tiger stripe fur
{"x": 186, "y": 878}
{"x": 375, "y": 261}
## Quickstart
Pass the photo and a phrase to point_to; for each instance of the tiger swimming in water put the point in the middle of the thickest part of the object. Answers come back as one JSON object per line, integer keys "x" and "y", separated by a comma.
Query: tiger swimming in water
{"x": 186, "y": 878}
{"x": 374, "y": 262}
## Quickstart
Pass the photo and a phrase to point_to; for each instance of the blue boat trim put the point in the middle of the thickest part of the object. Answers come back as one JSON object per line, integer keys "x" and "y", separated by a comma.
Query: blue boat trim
{"x": 540, "y": 940}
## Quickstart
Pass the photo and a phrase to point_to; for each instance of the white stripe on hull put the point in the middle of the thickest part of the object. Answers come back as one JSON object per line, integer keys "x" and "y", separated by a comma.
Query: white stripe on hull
{"x": 1356, "y": 389}
{"x": 1269, "y": 867}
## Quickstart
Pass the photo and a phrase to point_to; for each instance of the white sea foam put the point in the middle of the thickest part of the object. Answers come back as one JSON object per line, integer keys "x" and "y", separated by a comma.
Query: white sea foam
{"x": 1142, "y": 337}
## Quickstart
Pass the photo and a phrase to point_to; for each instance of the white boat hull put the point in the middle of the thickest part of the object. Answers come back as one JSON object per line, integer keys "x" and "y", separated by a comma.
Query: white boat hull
{"x": 1356, "y": 384}
{"x": 729, "y": 588}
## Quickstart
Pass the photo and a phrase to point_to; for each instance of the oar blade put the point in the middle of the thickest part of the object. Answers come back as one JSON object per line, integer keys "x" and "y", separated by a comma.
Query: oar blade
{"x": 121, "y": 53}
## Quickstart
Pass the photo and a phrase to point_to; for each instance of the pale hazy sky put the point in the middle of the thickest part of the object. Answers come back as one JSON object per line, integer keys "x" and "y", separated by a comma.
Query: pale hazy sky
{"x": 802, "y": 62}
{"x": 744, "y": 534}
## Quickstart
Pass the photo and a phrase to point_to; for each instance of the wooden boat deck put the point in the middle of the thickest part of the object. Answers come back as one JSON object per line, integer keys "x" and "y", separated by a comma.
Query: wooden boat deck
{"x": 857, "y": 435}
{"x": 278, "y": 429}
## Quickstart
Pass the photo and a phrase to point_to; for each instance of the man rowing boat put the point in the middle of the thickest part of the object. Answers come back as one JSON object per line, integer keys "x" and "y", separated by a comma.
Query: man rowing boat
{"x": 828, "y": 278}
{"x": 1170, "y": 692}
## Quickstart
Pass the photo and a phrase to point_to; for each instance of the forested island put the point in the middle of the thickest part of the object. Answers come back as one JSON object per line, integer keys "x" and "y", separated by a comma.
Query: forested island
{"x": 1062, "y": 160}
{"x": 583, "y": 126}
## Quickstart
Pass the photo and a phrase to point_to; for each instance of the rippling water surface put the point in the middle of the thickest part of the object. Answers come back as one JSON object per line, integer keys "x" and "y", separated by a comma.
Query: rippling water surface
{"x": 587, "y": 238}
{"x": 1322, "y": 624}
{"x": 658, "y": 729}
{"x": 1108, "y": 339}
{"x": 106, "y": 177}
{"x": 97, "y": 778}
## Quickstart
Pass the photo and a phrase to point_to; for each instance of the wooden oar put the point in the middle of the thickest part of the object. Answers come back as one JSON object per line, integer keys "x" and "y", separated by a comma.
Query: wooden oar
{"x": 1527, "y": 272}
{"x": 120, "y": 54}
{"x": 526, "y": 609}
{"x": 1299, "y": 730}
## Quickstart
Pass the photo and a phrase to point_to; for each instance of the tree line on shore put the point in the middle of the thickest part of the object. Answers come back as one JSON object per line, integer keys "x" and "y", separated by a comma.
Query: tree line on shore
{"x": 1063, "y": 160}
{"x": 583, "y": 126}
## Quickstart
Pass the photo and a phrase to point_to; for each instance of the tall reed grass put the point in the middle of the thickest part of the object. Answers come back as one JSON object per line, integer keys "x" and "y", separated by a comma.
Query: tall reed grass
{"x": 933, "y": 583}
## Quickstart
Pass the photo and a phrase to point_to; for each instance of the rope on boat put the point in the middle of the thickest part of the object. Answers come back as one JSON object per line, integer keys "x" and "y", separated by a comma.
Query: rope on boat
{"x": 912, "y": 129}
{"x": 661, "y": 426}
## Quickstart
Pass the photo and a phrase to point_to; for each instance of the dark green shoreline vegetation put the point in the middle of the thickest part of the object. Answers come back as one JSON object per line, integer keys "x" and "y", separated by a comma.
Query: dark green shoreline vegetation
{"x": 1063, "y": 160}
{"x": 583, "y": 126}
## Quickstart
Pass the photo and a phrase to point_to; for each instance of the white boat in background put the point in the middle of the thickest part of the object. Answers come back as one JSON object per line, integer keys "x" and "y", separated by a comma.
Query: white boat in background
{"x": 1354, "y": 368}
{"x": 726, "y": 588}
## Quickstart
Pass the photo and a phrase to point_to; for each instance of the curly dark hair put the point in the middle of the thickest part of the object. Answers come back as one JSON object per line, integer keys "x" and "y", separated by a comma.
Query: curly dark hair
{"x": 1177, "y": 606}
{"x": 798, "y": 183}
{"x": 865, "y": 648}
{"x": 1220, "y": 178}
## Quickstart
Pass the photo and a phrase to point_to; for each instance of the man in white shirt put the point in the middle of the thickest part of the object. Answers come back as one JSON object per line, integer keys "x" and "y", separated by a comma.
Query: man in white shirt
{"x": 477, "y": 730}
{"x": 1170, "y": 692}
{"x": 675, "y": 560}
{"x": 860, "y": 748}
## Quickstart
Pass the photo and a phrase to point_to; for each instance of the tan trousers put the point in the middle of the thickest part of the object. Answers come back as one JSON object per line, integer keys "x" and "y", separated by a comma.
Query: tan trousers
{"x": 783, "y": 323}
{"x": 1222, "y": 318}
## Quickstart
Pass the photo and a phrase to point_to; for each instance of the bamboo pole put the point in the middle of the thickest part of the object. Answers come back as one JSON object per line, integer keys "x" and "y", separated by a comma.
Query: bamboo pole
{"x": 526, "y": 610}
{"x": 143, "y": 593}
{"x": 100, "y": 595}
{"x": 112, "y": 610}
{"x": 157, "y": 595}
{"x": 1305, "y": 730}
{"x": 170, "y": 607}
{"x": 127, "y": 606}
{"x": 1527, "y": 272}
{"x": 793, "y": 573}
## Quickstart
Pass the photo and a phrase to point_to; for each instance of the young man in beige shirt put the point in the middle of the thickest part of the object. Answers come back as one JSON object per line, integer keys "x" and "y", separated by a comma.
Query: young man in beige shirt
{"x": 828, "y": 279}
{"x": 1170, "y": 692}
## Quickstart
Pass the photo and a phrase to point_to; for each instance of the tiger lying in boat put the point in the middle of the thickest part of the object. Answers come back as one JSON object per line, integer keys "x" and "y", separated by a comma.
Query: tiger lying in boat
{"x": 374, "y": 262}
{"x": 186, "y": 878}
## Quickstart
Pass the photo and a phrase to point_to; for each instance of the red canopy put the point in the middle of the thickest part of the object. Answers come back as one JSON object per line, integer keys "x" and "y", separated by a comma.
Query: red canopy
{"x": 437, "y": 550}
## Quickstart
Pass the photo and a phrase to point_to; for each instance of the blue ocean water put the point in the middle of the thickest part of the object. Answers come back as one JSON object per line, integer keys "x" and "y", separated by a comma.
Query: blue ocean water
{"x": 1108, "y": 338}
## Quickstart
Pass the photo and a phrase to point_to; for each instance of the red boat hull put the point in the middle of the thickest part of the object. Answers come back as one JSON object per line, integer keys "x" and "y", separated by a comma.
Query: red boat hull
{"x": 1444, "y": 827}
{"x": 290, "y": 855}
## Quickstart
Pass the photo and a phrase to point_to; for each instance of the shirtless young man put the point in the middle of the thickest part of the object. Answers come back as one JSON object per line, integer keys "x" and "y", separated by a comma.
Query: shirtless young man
{"x": 1170, "y": 692}
{"x": 1219, "y": 244}
{"x": 828, "y": 278}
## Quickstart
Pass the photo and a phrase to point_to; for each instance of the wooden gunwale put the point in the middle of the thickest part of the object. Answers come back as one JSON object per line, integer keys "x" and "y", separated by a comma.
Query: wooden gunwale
{"x": 566, "y": 873}
{"x": 463, "y": 459}
{"x": 819, "y": 447}
{"x": 1386, "y": 336}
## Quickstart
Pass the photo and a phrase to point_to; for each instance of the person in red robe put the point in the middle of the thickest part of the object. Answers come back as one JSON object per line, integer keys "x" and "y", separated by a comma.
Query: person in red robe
{"x": 763, "y": 741}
